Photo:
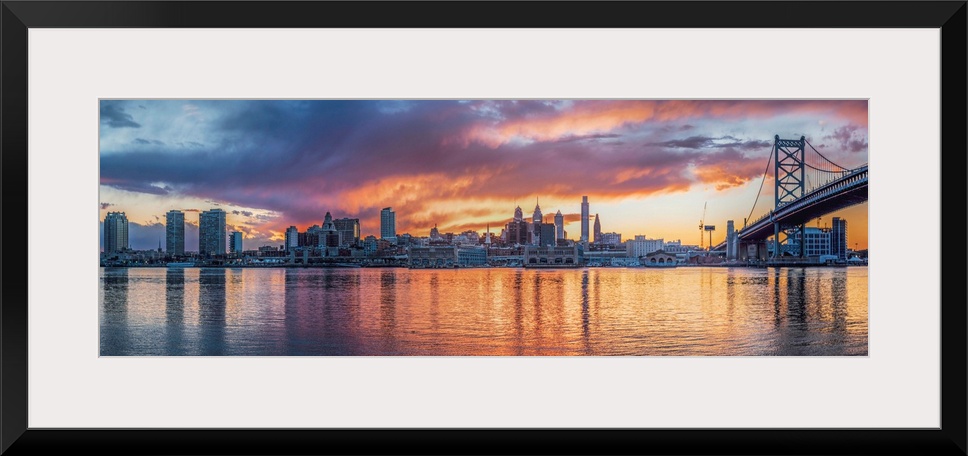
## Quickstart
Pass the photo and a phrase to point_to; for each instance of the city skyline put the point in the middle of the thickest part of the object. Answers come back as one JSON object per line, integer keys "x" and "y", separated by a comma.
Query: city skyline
{"x": 647, "y": 167}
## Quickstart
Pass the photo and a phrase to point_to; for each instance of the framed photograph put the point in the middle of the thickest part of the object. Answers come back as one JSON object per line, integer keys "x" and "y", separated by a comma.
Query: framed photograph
{"x": 316, "y": 235}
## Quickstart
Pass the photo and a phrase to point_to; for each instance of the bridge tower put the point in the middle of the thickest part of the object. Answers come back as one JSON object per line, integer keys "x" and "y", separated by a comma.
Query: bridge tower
{"x": 789, "y": 184}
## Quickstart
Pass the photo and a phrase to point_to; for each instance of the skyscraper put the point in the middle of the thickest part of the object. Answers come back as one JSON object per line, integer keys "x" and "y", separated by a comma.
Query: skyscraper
{"x": 838, "y": 238}
{"x": 584, "y": 219}
{"x": 292, "y": 238}
{"x": 175, "y": 233}
{"x": 598, "y": 229}
{"x": 388, "y": 224}
{"x": 559, "y": 226}
{"x": 211, "y": 232}
{"x": 115, "y": 232}
{"x": 235, "y": 242}
{"x": 536, "y": 224}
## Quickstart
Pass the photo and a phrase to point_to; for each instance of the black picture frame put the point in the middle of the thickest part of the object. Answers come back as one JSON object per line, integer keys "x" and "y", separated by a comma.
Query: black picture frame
{"x": 18, "y": 16}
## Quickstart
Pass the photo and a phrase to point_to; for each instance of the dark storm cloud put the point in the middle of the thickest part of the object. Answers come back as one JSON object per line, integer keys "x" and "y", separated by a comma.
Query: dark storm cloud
{"x": 113, "y": 115}
{"x": 146, "y": 141}
{"x": 849, "y": 138}
{"x": 706, "y": 142}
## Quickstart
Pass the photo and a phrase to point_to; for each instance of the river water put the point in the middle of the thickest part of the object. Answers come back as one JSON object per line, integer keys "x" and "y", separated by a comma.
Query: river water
{"x": 686, "y": 311}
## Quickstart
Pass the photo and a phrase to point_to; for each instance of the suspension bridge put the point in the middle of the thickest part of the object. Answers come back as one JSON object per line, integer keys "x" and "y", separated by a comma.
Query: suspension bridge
{"x": 806, "y": 186}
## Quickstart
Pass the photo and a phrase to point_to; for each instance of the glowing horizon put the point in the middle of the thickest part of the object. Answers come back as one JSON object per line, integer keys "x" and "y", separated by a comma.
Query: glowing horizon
{"x": 648, "y": 167}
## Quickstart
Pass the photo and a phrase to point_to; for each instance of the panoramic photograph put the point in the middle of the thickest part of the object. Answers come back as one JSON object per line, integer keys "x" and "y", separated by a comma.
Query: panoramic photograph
{"x": 494, "y": 227}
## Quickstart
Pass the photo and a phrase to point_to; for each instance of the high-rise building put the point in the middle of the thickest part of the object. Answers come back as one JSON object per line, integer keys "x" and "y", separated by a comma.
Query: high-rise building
{"x": 598, "y": 229}
{"x": 292, "y": 238}
{"x": 584, "y": 219}
{"x": 115, "y": 232}
{"x": 175, "y": 233}
{"x": 388, "y": 224}
{"x": 518, "y": 214}
{"x": 211, "y": 232}
{"x": 235, "y": 242}
{"x": 838, "y": 238}
{"x": 559, "y": 226}
{"x": 536, "y": 224}
{"x": 349, "y": 230}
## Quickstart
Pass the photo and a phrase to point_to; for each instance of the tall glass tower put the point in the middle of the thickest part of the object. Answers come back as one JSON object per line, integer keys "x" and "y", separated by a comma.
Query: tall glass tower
{"x": 388, "y": 224}
{"x": 175, "y": 233}
{"x": 115, "y": 232}
{"x": 211, "y": 232}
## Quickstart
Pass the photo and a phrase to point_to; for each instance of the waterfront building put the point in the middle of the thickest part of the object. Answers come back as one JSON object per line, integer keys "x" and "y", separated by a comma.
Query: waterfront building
{"x": 115, "y": 232}
{"x": 598, "y": 229}
{"x": 559, "y": 225}
{"x": 434, "y": 233}
{"x": 584, "y": 219}
{"x": 211, "y": 232}
{"x": 641, "y": 246}
{"x": 838, "y": 238}
{"x": 551, "y": 257}
{"x": 292, "y": 238}
{"x": 817, "y": 242}
{"x": 471, "y": 256}
{"x": 432, "y": 257}
{"x": 349, "y": 231}
{"x": 235, "y": 242}
{"x": 658, "y": 257}
{"x": 388, "y": 224}
{"x": 175, "y": 233}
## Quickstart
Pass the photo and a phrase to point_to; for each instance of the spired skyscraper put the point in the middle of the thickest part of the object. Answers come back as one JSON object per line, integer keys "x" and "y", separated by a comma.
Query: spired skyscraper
{"x": 584, "y": 219}
{"x": 559, "y": 225}
{"x": 536, "y": 224}
{"x": 211, "y": 232}
{"x": 598, "y": 229}
{"x": 115, "y": 232}
{"x": 175, "y": 233}
{"x": 388, "y": 224}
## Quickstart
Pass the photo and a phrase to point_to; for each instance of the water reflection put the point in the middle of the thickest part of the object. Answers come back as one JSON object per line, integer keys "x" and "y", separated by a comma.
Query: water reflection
{"x": 175, "y": 310}
{"x": 211, "y": 311}
{"x": 389, "y": 311}
{"x": 114, "y": 335}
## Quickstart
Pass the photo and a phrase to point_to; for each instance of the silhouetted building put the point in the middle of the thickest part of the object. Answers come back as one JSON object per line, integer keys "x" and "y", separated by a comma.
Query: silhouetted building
{"x": 115, "y": 232}
{"x": 211, "y": 232}
{"x": 559, "y": 225}
{"x": 838, "y": 238}
{"x": 388, "y": 224}
{"x": 175, "y": 233}
{"x": 584, "y": 219}
{"x": 235, "y": 242}
{"x": 598, "y": 229}
{"x": 349, "y": 231}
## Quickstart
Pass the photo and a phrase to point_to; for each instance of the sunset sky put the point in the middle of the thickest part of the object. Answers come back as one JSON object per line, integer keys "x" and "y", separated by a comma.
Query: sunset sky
{"x": 647, "y": 167}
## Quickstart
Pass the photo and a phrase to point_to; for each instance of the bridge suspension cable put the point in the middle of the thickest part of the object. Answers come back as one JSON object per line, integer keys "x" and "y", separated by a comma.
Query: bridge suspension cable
{"x": 765, "y": 172}
{"x": 825, "y": 159}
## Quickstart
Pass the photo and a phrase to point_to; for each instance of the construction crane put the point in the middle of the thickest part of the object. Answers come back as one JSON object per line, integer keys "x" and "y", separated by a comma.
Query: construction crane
{"x": 701, "y": 224}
